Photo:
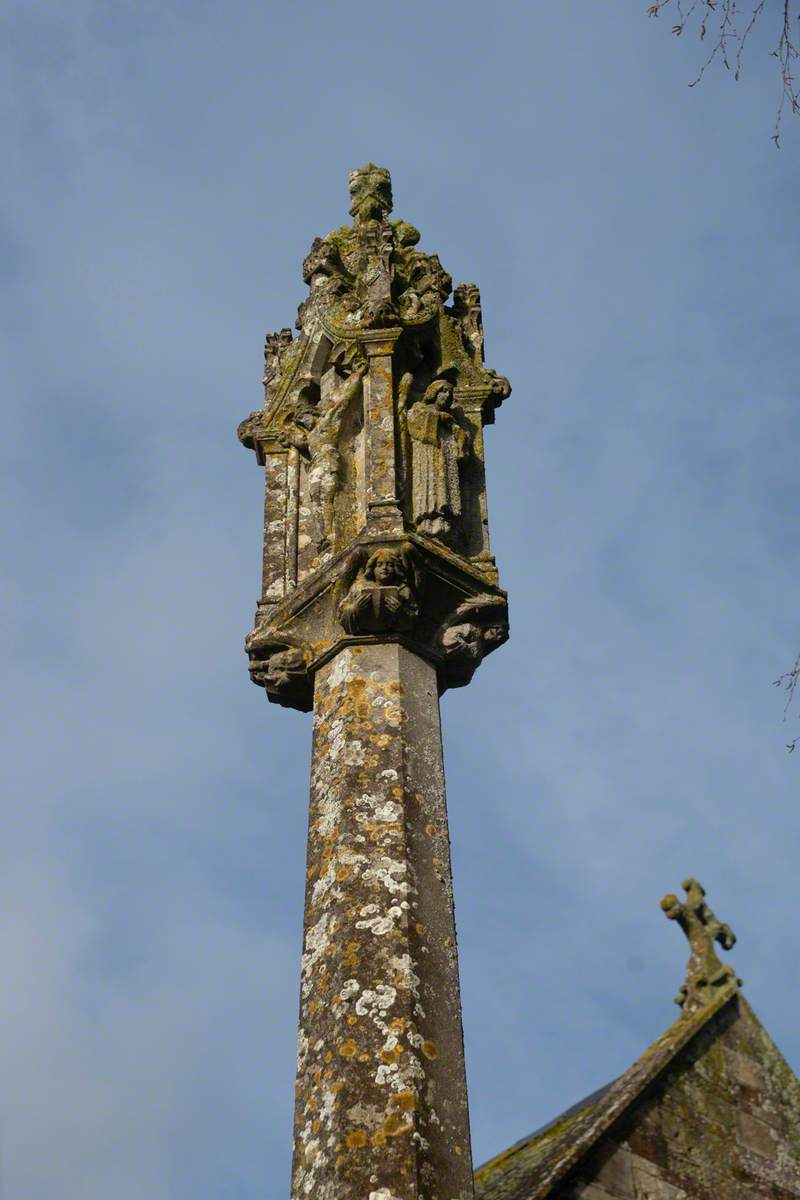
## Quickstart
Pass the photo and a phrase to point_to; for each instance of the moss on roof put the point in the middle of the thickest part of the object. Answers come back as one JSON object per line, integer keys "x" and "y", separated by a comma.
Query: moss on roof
{"x": 530, "y": 1169}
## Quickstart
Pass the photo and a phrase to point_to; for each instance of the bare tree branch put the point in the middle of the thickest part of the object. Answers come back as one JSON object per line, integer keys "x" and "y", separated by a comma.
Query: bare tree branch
{"x": 733, "y": 31}
{"x": 789, "y": 682}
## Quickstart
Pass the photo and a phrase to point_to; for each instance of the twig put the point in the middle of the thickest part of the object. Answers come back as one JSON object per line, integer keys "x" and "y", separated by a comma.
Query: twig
{"x": 789, "y": 680}
{"x": 729, "y": 16}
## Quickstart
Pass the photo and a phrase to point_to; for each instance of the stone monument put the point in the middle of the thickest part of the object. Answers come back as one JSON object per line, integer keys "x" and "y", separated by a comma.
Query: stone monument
{"x": 379, "y": 592}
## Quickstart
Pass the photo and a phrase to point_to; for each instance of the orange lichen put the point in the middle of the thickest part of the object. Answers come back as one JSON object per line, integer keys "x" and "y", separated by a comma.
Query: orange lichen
{"x": 394, "y": 1125}
{"x": 430, "y": 1049}
{"x": 356, "y": 1139}
{"x": 347, "y": 1050}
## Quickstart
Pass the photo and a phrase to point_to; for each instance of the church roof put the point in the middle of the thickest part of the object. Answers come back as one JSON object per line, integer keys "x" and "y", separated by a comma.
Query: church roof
{"x": 532, "y": 1168}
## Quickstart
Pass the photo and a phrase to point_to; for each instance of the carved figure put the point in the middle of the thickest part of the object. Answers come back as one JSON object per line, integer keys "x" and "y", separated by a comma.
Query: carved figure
{"x": 406, "y": 235}
{"x": 384, "y": 595}
{"x": 438, "y": 446}
{"x": 374, "y": 286}
{"x": 370, "y": 190}
{"x": 281, "y": 669}
{"x": 706, "y": 975}
{"x": 422, "y": 284}
{"x": 315, "y": 432}
{"x": 501, "y": 388}
{"x": 322, "y": 262}
{"x": 286, "y": 673}
{"x": 477, "y": 627}
{"x": 467, "y": 311}
{"x": 275, "y": 347}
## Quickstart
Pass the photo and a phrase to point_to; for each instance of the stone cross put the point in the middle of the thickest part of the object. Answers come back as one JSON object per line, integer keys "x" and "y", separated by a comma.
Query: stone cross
{"x": 706, "y": 975}
{"x": 379, "y": 592}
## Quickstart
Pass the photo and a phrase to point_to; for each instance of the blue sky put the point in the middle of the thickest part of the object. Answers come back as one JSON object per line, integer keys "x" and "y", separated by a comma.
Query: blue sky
{"x": 165, "y": 169}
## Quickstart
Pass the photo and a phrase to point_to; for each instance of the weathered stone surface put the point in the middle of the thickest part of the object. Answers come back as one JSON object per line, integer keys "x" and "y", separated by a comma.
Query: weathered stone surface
{"x": 381, "y": 1094}
{"x": 371, "y": 434}
{"x": 379, "y": 591}
{"x": 707, "y": 1132}
{"x": 615, "y": 1174}
{"x": 710, "y": 1112}
{"x": 706, "y": 976}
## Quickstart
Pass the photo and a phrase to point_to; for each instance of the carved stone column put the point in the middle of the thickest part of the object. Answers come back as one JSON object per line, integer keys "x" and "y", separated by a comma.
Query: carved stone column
{"x": 383, "y": 502}
{"x": 378, "y": 594}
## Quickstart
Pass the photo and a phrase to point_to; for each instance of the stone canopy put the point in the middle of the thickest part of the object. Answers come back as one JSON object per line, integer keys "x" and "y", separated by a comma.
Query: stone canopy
{"x": 371, "y": 436}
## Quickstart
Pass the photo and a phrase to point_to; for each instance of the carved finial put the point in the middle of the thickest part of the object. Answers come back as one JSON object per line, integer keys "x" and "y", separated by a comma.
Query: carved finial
{"x": 371, "y": 193}
{"x": 706, "y": 975}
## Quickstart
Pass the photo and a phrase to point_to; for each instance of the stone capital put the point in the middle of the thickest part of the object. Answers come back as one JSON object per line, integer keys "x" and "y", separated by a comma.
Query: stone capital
{"x": 383, "y": 588}
{"x": 378, "y": 342}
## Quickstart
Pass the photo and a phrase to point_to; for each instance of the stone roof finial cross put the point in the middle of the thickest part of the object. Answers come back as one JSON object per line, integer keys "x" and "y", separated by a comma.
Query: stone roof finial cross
{"x": 706, "y": 975}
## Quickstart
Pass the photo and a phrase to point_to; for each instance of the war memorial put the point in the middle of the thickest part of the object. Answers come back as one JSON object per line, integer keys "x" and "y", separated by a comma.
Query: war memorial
{"x": 379, "y": 593}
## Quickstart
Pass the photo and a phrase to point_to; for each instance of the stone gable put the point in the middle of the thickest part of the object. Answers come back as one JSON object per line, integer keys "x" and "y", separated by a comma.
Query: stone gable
{"x": 720, "y": 1120}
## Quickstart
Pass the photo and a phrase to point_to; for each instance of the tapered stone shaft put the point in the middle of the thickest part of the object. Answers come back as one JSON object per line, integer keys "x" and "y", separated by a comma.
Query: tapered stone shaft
{"x": 381, "y": 1102}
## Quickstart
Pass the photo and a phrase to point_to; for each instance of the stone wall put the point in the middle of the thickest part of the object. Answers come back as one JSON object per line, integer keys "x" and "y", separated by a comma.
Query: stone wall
{"x": 723, "y": 1121}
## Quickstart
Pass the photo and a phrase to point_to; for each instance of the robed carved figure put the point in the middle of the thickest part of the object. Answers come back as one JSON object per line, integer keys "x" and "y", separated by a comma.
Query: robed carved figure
{"x": 439, "y": 444}
{"x": 315, "y": 430}
{"x": 385, "y": 594}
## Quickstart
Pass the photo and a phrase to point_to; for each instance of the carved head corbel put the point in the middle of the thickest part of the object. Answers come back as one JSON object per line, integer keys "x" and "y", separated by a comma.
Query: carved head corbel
{"x": 476, "y": 628}
{"x": 280, "y": 664}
